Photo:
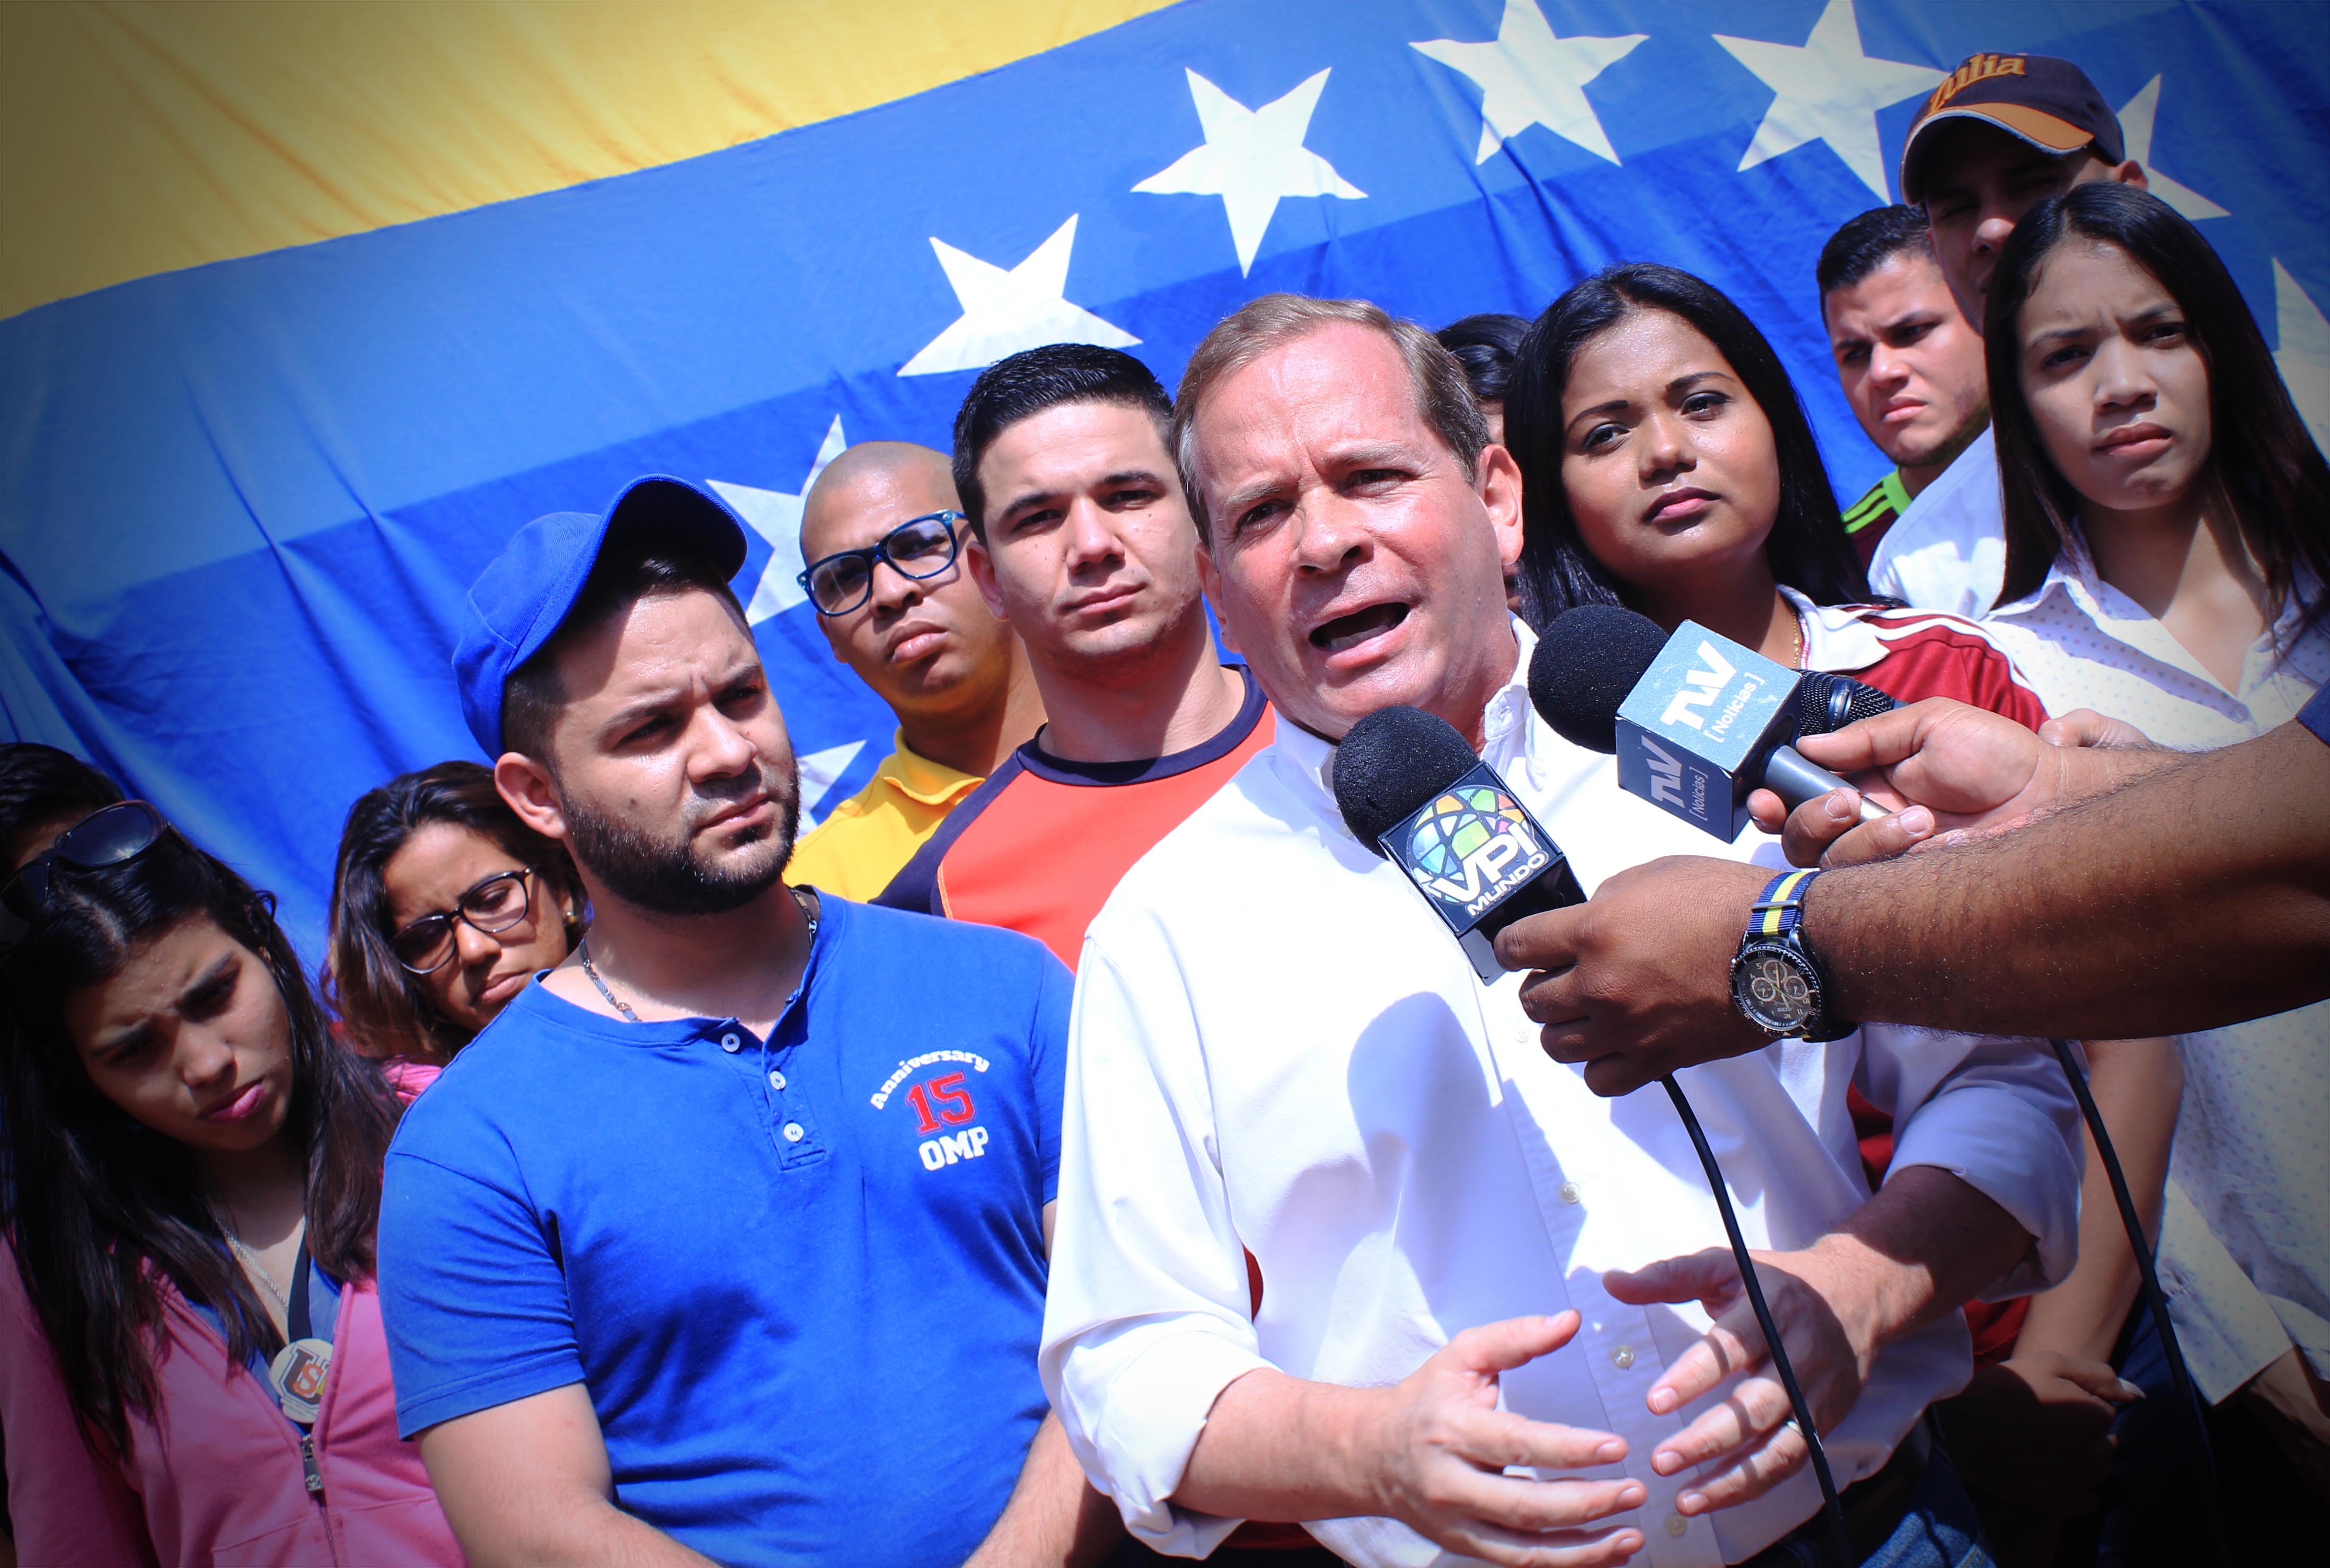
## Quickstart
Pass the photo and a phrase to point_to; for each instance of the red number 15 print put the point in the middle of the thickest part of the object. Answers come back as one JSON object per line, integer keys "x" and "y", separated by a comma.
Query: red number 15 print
{"x": 948, "y": 1097}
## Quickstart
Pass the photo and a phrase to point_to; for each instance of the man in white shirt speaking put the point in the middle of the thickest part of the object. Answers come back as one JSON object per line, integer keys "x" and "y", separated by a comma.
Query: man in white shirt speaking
{"x": 1335, "y": 1234}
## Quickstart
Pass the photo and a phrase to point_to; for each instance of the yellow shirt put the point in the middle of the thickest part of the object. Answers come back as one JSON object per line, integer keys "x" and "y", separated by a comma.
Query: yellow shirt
{"x": 868, "y": 838}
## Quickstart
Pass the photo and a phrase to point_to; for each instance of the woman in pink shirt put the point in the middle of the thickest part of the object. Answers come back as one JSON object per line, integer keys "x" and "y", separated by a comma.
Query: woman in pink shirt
{"x": 192, "y": 1369}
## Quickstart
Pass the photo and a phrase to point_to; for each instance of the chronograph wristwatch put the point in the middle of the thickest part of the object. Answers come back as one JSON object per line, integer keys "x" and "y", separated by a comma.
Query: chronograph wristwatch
{"x": 1775, "y": 982}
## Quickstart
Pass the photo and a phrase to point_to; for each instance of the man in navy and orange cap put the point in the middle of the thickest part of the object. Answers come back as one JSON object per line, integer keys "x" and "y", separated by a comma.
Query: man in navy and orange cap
{"x": 2000, "y": 135}
{"x": 726, "y": 1239}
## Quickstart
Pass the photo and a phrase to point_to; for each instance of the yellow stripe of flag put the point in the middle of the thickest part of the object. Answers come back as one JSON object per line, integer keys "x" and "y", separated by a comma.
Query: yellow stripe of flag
{"x": 138, "y": 138}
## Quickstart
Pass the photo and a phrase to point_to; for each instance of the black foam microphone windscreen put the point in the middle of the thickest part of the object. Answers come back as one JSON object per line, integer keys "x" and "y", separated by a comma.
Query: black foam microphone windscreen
{"x": 1585, "y": 663}
{"x": 1411, "y": 789}
{"x": 1827, "y": 703}
{"x": 1392, "y": 762}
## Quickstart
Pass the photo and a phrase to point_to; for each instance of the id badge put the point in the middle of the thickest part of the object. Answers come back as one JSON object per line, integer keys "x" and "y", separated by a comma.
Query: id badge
{"x": 297, "y": 1372}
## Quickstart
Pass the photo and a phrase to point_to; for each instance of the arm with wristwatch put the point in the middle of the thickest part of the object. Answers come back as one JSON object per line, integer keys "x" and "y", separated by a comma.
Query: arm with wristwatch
{"x": 2037, "y": 900}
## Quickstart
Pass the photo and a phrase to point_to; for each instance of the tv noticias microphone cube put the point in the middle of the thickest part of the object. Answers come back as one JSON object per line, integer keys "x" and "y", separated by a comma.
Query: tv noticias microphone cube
{"x": 1696, "y": 732}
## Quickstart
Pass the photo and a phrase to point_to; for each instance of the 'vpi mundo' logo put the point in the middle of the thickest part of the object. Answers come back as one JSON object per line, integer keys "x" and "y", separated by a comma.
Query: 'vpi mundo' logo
{"x": 1473, "y": 845}
{"x": 1699, "y": 688}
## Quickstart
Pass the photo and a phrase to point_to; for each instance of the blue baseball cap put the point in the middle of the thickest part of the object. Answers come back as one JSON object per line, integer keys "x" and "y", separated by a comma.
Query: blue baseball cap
{"x": 524, "y": 593}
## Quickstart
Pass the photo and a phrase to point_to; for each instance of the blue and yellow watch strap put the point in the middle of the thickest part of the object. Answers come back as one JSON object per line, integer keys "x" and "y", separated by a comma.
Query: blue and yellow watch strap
{"x": 1781, "y": 907}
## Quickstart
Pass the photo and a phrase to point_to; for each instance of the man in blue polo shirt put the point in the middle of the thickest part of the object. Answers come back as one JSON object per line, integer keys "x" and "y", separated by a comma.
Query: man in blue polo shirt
{"x": 728, "y": 1239}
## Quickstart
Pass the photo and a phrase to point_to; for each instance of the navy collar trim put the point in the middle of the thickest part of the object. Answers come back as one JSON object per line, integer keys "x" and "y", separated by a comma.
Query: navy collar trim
{"x": 1149, "y": 769}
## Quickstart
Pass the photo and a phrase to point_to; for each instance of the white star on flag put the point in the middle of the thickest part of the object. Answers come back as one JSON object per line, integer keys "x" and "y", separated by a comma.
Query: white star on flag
{"x": 1829, "y": 91}
{"x": 1531, "y": 77}
{"x": 1252, "y": 157}
{"x": 1006, "y": 312}
{"x": 776, "y": 517}
{"x": 2302, "y": 351}
{"x": 2135, "y": 121}
{"x": 819, "y": 772}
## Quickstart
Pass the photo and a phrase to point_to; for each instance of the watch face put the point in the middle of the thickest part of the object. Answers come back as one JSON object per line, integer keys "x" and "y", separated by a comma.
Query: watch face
{"x": 1773, "y": 990}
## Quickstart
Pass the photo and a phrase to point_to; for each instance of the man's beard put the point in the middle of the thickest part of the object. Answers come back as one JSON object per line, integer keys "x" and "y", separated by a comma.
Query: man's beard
{"x": 663, "y": 875}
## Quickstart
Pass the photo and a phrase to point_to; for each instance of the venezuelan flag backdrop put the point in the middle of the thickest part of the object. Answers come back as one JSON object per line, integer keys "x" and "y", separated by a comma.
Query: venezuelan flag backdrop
{"x": 309, "y": 307}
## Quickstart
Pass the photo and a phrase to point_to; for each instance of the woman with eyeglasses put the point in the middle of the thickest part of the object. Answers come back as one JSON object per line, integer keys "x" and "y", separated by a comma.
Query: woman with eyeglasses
{"x": 444, "y": 905}
{"x": 191, "y": 1352}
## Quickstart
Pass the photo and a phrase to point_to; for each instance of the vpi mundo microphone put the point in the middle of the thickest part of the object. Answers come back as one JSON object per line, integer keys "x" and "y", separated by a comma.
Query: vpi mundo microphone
{"x": 1410, "y": 788}
{"x": 1698, "y": 721}
{"x": 1413, "y": 791}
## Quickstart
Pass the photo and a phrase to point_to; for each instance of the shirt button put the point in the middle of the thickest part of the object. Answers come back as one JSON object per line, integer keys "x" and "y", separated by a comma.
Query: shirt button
{"x": 1623, "y": 1357}
{"x": 731, "y": 1043}
{"x": 793, "y": 1132}
{"x": 1677, "y": 1525}
{"x": 776, "y": 1080}
{"x": 1569, "y": 1192}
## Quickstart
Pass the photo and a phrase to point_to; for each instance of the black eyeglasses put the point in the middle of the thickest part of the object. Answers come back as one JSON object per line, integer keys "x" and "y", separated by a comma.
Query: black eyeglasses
{"x": 109, "y": 836}
{"x": 919, "y": 548}
{"x": 492, "y": 906}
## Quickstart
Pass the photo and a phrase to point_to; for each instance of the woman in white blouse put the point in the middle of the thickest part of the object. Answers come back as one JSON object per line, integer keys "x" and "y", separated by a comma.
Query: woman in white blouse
{"x": 2168, "y": 541}
{"x": 1667, "y": 465}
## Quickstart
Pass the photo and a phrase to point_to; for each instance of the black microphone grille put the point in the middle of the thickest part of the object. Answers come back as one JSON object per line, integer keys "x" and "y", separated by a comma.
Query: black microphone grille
{"x": 1827, "y": 703}
{"x": 1392, "y": 762}
{"x": 1585, "y": 663}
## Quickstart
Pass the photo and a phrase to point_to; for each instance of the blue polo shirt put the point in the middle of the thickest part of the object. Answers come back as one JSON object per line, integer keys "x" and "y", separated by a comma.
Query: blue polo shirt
{"x": 802, "y": 1278}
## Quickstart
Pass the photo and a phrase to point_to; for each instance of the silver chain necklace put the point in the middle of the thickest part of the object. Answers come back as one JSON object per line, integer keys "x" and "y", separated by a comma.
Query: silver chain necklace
{"x": 250, "y": 1260}
{"x": 583, "y": 949}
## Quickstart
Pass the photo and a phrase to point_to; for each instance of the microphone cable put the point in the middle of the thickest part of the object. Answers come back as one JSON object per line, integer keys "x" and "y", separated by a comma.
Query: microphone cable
{"x": 1832, "y": 1506}
{"x": 2155, "y": 1302}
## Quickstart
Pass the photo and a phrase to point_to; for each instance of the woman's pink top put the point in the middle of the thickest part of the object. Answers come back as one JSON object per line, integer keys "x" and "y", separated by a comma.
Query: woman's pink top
{"x": 215, "y": 1475}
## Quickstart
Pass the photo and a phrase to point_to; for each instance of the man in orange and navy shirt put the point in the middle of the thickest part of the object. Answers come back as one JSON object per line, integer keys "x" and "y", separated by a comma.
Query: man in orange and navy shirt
{"x": 1082, "y": 540}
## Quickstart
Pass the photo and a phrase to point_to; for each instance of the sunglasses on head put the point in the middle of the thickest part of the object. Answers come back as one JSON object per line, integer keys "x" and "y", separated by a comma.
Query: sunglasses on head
{"x": 110, "y": 836}
{"x": 918, "y": 548}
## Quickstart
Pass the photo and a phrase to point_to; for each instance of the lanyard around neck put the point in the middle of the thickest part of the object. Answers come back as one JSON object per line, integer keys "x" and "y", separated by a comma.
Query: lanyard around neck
{"x": 298, "y": 1322}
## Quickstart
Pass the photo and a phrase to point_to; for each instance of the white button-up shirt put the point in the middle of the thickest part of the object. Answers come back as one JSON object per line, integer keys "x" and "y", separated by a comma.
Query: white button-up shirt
{"x": 1948, "y": 550}
{"x": 2082, "y": 643}
{"x": 2245, "y": 1233}
{"x": 1278, "y": 1051}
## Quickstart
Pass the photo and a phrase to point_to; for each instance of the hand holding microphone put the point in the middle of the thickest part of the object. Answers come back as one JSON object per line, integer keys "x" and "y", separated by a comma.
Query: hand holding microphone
{"x": 1410, "y": 788}
{"x": 1638, "y": 983}
{"x": 1697, "y": 722}
{"x": 1944, "y": 769}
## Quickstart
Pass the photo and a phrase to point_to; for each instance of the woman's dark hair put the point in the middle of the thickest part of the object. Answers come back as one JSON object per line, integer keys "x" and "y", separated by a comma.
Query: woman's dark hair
{"x": 1485, "y": 345}
{"x": 1807, "y": 547}
{"x": 384, "y": 1006}
{"x": 2262, "y": 461}
{"x": 39, "y": 784}
{"x": 105, "y": 1208}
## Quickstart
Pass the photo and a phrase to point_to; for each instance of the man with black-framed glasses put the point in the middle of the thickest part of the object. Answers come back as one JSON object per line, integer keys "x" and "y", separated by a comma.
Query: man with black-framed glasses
{"x": 883, "y": 533}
